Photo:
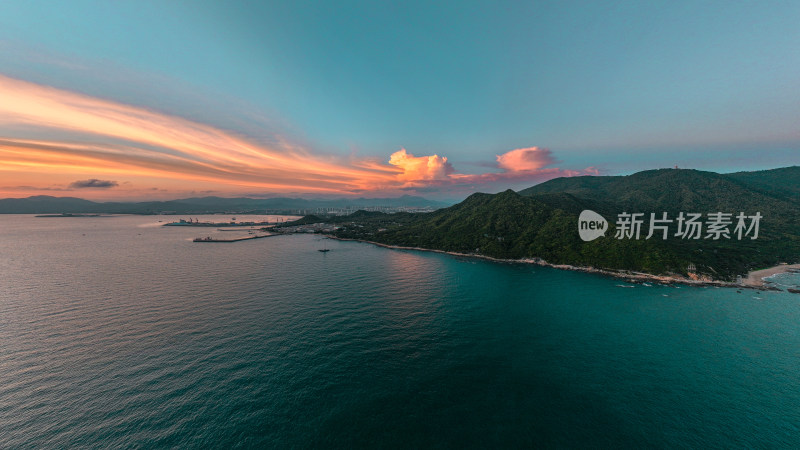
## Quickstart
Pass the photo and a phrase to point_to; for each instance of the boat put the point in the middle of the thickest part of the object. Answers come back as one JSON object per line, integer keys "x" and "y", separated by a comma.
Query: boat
{"x": 324, "y": 250}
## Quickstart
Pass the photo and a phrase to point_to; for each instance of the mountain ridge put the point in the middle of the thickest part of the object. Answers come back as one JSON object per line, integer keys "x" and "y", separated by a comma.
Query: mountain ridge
{"x": 45, "y": 204}
{"x": 542, "y": 222}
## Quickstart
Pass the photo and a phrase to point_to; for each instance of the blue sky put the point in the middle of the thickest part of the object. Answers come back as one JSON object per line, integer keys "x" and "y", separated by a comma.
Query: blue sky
{"x": 617, "y": 86}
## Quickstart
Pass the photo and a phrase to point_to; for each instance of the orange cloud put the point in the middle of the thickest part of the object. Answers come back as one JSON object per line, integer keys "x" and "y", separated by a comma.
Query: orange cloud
{"x": 419, "y": 168}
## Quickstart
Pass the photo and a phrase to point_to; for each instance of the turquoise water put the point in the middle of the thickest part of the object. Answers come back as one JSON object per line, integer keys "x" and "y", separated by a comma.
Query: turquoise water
{"x": 116, "y": 332}
{"x": 789, "y": 280}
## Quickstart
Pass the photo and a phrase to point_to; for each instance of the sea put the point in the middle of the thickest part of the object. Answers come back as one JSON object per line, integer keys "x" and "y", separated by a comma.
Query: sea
{"x": 118, "y": 332}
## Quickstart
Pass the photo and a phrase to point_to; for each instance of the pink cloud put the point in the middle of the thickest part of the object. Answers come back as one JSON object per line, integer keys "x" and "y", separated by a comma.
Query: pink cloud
{"x": 524, "y": 159}
{"x": 523, "y": 165}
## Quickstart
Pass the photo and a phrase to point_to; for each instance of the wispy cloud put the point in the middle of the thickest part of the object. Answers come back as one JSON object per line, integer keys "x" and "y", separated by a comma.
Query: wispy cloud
{"x": 76, "y": 134}
{"x": 27, "y": 188}
{"x": 119, "y": 138}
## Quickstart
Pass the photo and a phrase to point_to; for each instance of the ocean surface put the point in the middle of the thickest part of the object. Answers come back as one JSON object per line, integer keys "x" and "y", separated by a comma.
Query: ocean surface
{"x": 117, "y": 332}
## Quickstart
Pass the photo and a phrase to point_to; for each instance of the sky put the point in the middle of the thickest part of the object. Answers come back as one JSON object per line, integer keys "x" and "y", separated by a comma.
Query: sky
{"x": 156, "y": 100}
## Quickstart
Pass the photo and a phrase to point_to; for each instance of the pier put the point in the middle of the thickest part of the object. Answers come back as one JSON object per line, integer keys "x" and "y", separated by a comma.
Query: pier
{"x": 195, "y": 223}
{"x": 243, "y": 238}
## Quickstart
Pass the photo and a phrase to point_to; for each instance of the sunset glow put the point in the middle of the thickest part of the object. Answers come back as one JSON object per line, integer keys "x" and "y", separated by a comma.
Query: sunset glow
{"x": 176, "y": 99}
{"x": 112, "y": 140}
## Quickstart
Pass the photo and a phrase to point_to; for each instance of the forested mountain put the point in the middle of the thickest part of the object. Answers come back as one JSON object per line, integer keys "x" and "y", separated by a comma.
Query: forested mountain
{"x": 542, "y": 221}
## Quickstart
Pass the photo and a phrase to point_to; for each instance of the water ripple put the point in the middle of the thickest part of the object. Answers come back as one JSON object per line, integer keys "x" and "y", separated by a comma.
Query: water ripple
{"x": 119, "y": 340}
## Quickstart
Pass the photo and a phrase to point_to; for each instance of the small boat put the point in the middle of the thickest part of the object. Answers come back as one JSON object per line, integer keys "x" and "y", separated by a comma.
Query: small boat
{"x": 324, "y": 250}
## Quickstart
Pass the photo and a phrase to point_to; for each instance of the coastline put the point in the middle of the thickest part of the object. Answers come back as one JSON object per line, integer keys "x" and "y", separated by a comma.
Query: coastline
{"x": 756, "y": 277}
{"x": 631, "y": 276}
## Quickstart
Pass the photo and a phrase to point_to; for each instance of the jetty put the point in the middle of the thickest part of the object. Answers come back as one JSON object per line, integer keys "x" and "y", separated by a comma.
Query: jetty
{"x": 74, "y": 215}
{"x": 233, "y": 223}
{"x": 243, "y": 238}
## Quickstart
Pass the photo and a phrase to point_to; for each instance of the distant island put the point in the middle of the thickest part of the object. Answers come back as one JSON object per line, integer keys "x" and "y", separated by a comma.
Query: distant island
{"x": 541, "y": 223}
